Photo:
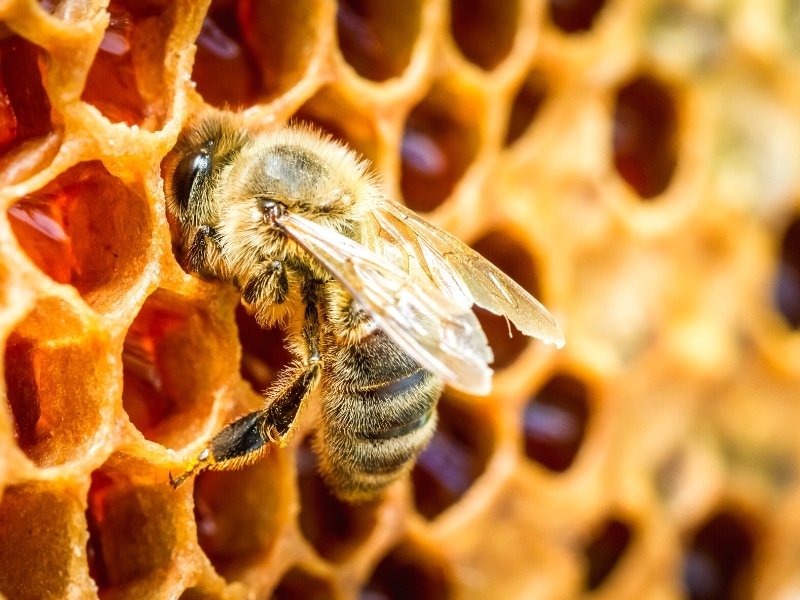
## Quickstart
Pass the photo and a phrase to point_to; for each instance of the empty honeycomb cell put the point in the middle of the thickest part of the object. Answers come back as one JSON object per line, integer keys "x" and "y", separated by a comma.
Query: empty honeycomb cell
{"x": 25, "y": 111}
{"x": 455, "y": 458}
{"x": 131, "y": 521}
{"x": 88, "y": 229}
{"x": 645, "y": 140}
{"x": 555, "y": 421}
{"x": 56, "y": 389}
{"x": 241, "y": 514}
{"x": 282, "y": 37}
{"x": 169, "y": 373}
{"x": 225, "y": 69}
{"x": 324, "y": 111}
{"x": 38, "y": 528}
{"x": 377, "y": 38}
{"x": 264, "y": 351}
{"x": 440, "y": 141}
{"x": 299, "y": 584}
{"x": 503, "y": 250}
{"x": 787, "y": 286}
{"x": 334, "y": 527}
{"x": 484, "y": 30}
{"x": 574, "y": 16}
{"x": 527, "y": 103}
{"x": 409, "y": 571}
{"x": 718, "y": 563}
{"x": 604, "y": 551}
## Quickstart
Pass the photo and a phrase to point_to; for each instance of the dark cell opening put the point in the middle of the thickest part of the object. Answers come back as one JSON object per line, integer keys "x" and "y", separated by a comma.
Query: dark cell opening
{"x": 298, "y": 584}
{"x": 645, "y": 134}
{"x": 225, "y": 70}
{"x": 604, "y": 552}
{"x": 408, "y": 572}
{"x": 574, "y": 16}
{"x": 484, "y": 30}
{"x": 376, "y": 38}
{"x": 526, "y": 106}
{"x": 335, "y": 528}
{"x": 440, "y": 142}
{"x": 264, "y": 351}
{"x": 787, "y": 286}
{"x": 555, "y": 422}
{"x": 502, "y": 250}
{"x": 455, "y": 458}
{"x": 719, "y": 561}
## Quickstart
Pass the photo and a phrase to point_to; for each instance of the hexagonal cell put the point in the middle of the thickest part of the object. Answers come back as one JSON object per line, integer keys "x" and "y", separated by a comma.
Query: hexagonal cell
{"x": 604, "y": 551}
{"x": 501, "y": 249}
{"x": 57, "y": 379}
{"x": 528, "y": 101}
{"x": 126, "y": 79}
{"x": 787, "y": 285}
{"x": 39, "y": 529}
{"x": 377, "y": 38}
{"x": 574, "y": 16}
{"x": 440, "y": 141}
{"x": 240, "y": 514}
{"x": 225, "y": 70}
{"x": 409, "y": 571}
{"x": 645, "y": 142}
{"x": 264, "y": 351}
{"x": 325, "y": 110}
{"x": 333, "y": 527}
{"x": 455, "y": 458}
{"x": 132, "y": 533}
{"x": 174, "y": 359}
{"x": 719, "y": 560}
{"x": 484, "y": 30}
{"x": 100, "y": 248}
{"x": 555, "y": 422}
{"x": 299, "y": 584}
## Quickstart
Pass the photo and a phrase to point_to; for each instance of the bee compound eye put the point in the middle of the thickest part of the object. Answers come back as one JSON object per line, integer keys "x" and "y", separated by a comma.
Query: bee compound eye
{"x": 190, "y": 167}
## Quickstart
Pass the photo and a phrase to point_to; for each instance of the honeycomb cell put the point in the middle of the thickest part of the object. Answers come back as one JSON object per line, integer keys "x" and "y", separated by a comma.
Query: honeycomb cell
{"x": 225, "y": 69}
{"x": 38, "y": 527}
{"x": 169, "y": 373}
{"x": 526, "y": 106}
{"x": 574, "y": 16}
{"x": 554, "y": 422}
{"x": 240, "y": 514}
{"x": 126, "y": 79}
{"x": 455, "y": 458}
{"x": 334, "y": 528}
{"x": 719, "y": 560}
{"x": 645, "y": 143}
{"x": 132, "y": 533}
{"x": 99, "y": 247}
{"x": 787, "y": 286}
{"x": 501, "y": 249}
{"x": 484, "y": 30}
{"x": 440, "y": 141}
{"x": 299, "y": 584}
{"x": 377, "y": 38}
{"x": 325, "y": 109}
{"x": 264, "y": 351}
{"x": 282, "y": 37}
{"x": 25, "y": 111}
{"x": 604, "y": 552}
{"x": 409, "y": 571}
{"x": 56, "y": 386}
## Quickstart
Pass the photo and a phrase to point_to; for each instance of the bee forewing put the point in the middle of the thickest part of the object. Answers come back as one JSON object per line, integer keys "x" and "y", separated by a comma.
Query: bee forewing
{"x": 486, "y": 285}
{"x": 439, "y": 333}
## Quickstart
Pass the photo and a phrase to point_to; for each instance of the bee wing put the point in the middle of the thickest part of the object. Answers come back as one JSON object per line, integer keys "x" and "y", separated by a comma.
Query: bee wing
{"x": 465, "y": 275}
{"x": 442, "y": 335}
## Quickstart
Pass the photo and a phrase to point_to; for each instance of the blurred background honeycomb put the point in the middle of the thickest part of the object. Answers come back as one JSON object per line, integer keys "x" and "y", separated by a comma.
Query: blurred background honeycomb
{"x": 632, "y": 163}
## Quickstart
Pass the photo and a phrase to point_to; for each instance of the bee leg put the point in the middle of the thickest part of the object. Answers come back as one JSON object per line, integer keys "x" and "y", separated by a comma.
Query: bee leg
{"x": 203, "y": 252}
{"x": 269, "y": 284}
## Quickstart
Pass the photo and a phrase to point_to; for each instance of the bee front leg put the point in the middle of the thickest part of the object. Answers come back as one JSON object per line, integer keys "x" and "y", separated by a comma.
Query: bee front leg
{"x": 204, "y": 254}
{"x": 268, "y": 285}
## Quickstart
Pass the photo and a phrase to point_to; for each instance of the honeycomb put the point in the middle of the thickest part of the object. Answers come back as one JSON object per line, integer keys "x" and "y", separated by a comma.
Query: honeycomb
{"x": 634, "y": 164}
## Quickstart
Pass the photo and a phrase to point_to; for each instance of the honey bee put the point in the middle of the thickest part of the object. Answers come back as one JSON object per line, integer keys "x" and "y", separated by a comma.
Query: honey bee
{"x": 376, "y": 302}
